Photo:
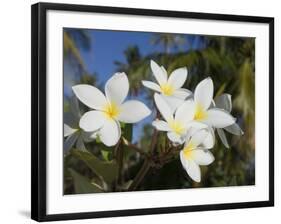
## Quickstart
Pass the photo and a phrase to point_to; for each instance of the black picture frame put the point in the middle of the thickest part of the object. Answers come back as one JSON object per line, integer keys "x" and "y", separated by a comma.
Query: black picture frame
{"x": 39, "y": 122}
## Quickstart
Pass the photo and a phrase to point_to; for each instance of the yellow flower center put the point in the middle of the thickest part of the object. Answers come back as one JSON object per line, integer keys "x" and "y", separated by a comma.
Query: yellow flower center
{"x": 176, "y": 126}
{"x": 187, "y": 151}
{"x": 111, "y": 110}
{"x": 200, "y": 113}
{"x": 167, "y": 89}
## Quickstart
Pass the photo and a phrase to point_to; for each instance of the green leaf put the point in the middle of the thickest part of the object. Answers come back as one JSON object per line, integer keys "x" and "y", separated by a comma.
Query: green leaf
{"x": 103, "y": 147}
{"x": 105, "y": 155}
{"x": 122, "y": 125}
{"x": 82, "y": 184}
{"x": 98, "y": 139}
{"x": 128, "y": 132}
{"x": 106, "y": 170}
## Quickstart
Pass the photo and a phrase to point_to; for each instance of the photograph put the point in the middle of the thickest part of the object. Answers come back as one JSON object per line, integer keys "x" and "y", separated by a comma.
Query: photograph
{"x": 146, "y": 111}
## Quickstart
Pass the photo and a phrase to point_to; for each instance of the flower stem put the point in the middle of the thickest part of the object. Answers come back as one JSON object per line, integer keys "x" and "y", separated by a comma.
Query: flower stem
{"x": 146, "y": 165}
{"x": 120, "y": 165}
{"x": 141, "y": 174}
{"x": 153, "y": 141}
{"x": 118, "y": 151}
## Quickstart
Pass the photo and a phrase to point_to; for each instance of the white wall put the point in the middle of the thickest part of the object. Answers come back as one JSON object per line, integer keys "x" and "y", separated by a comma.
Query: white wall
{"x": 15, "y": 95}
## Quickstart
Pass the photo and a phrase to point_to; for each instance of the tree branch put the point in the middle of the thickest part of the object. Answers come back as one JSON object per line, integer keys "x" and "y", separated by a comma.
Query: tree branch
{"x": 120, "y": 164}
{"x": 141, "y": 174}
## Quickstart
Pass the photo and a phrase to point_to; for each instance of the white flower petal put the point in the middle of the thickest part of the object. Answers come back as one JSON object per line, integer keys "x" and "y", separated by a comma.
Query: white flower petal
{"x": 173, "y": 102}
{"x": 110, "y": 133}
{"x": 89, "y": 136}
{"x": 178, "y": 78}
{"x": 94, "y": 135}
{"x": 196, "y": 125}
{"x": 117, "y": 88}
{"x": 198, "y": 137}
{"x": 133, "y": 111}
{"x": 151, "y": 85}
{"x": 209, "y": 141}
{"x": 165, "y": 72}
{"x": 90, "y": 96}
{"x": 219, "y": 118}
{"x": 202, "y": 157}
{"x": 193, "y": 127}
{"x": 158, "y": 73}
{"x": 223, "y": 137}
{"x": 234, "y": 129}
{"x": 175, "y": 138}
{"x": 203, "y": 93}
{"x": 185, "y": 112}
{"x": 184, "y": 161}
{"x": 192, "y": 169}
{"x": 182, "y": 93}
{"x": 224, "y": 102}
{"x": 67, "y": 130}
{"x": 163, "y": 107}
{"x": 161, "y": 125}
{"x": 92, "y": 121}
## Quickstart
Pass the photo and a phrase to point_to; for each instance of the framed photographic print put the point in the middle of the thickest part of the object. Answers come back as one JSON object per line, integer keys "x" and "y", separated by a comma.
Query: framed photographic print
{"x": 138, "y": 111}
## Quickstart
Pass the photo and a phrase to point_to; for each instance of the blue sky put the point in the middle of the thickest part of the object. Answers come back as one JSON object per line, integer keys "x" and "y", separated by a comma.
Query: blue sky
{"x": 109, "y": 46}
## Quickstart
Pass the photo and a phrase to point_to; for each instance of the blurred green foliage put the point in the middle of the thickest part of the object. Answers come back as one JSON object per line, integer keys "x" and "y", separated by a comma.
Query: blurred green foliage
{"x": 230, "y": 61}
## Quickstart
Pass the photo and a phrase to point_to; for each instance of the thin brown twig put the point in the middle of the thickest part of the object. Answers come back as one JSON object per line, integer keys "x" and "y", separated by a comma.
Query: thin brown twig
{"x": 120, "y": 164}
{"x": 119, "y": 158}
{"x": 115, "y": 150}
{"x": 142, "y": 172}
{"x": 153, "y": 141}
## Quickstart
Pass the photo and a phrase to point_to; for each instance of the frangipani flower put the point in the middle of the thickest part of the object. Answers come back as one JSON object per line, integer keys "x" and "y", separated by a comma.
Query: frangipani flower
{"x": 169, "y": 87}
{"x": 109, "y": 109}
{"x": 72, "y": 131}
{"x": 212, "y": 116}
{"x": 224, "y": 102}
{"x": 176, "y": 125}
{"x": 195, "y": 153}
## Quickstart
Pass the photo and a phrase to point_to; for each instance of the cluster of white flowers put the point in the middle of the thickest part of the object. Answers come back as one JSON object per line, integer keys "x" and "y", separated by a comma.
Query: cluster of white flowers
{"x": 189, "y": 119}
